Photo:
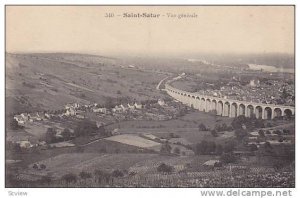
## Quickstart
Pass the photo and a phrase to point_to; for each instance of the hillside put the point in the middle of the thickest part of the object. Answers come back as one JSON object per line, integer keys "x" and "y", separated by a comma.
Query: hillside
{"x": 49, "y": 81}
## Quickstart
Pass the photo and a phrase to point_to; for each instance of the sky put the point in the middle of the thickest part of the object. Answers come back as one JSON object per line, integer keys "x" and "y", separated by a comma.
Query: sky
{"x": 85, "y": 29}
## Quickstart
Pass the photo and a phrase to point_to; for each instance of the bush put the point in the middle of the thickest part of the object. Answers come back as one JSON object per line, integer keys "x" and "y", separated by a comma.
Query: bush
{"x": 50, "y": 135}
{"x": 253, "y": 147}
{"x": 117, "y": 173}
{"x": 66, "y": 134}
{"x": 240, "y": 133}
{"x": 177, "y": 150}
{"x": 35, "y": 166}
{"x": 286, "y": 131}
{"x": 214, "y": 133}
{"x": 85, "y": 175}
{"x": 202, "y": 127}
{"x": 46, "y": 179}
{"x": 85, "y": 128}
{"x": 219, "y": 149}
{"x": 205, "y": 148}
{"x": 166, "y": 148}
{"x": 69, "y": 178}
{"x": 229, "y": 146}
{"x": 164, "y": 168}
{"x": 228, "y": 158}
{"x": 43, "y": 166}
{"x": 14, "y": 125}
{"x": 261, "y": 133}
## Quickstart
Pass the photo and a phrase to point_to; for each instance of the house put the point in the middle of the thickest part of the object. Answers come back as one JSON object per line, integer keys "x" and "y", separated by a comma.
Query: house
{"x": 48, "y": 116}
{"x": 138, "y": 105}
{"x": 212, "y": 163}
{"x": 115, "y": 132}
{"x": 100, "y": 124}
{"x": 124, "y": 107}
{"x": 19, "y": 119}
{"x": 74, "y": 106}
{"x": 70, "y": 112}
{"x": 117, "y": 109}
{"x": 99, "y": 110}
{"x": 25, "y": 116}
{"x": 161, "y": 102}
{"x": 24, "y": 144}
{"x": 80, "y": 116}
{"x": 131, "y": 106}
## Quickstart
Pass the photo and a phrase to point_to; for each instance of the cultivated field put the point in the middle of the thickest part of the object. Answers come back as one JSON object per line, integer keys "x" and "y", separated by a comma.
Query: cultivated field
{"x": 133, "y": 140}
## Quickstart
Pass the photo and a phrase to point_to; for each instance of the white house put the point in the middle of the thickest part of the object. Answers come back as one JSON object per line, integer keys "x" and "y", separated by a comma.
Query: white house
{"x": 19, "y": 119}
{"x": 25, "y": 116}
{"x": 70, "y": 112}
{"x": 99, "y": 110}
{"x": 161, "y": 102}
{"x": 124, "y": 107}
{"x": 131, "y": 106}
{"x": 24, "y": 144}
{"x": 138, "y": 105}
{"x": 117, "y": 109}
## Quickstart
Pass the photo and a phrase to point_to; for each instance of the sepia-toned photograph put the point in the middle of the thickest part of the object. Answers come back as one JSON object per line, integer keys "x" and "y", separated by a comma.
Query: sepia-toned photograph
{"x": 149, "y": 96}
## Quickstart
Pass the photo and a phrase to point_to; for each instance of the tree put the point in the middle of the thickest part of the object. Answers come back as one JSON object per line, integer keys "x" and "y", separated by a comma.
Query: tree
{"x": 214, "y": 133}
{"x": 202, "y": 127}
{"x": 204, "y": 148}
{"x": 229, "y": 146}
{"x": 43, "y": 166}
{"x": 85, "y": 175}
{"x": 35, "y": 166}
{"x": 284, "y": 94}
{"x": 102, "y": 176}
{"x": 166, "y": 148}
{"x": 164, "y": 168}
{"x": 228, "y": 158}
{"x": 46, "y": 179}
{"x": 14, "y": 125}
{"x": 66, "y": 134}
{"x": 177, "y": 150}
{"x": 238, "y": 122}
{"x": 69, "y": 178}
{"x": 261, "y": 133}
{"x": 219, "y": 149}
{"x": 240, "y": 133}
{"x": 85, "y": 128}
{"x": 117, "y": 173}
{"x": 268, "y": 147}
{"x": 253, "y": 147}
{"x": 50, "y": 135}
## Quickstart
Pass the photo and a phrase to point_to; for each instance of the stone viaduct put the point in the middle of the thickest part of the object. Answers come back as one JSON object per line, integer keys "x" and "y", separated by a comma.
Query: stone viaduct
{"x": 228, "y": 107}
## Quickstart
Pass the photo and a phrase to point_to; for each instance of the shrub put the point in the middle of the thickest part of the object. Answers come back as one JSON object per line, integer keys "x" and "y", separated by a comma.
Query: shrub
{"x": 35, "y": 166}
{"x": 164, "y": 168}
{"x": 85, "y": 175}
{"x": 69, "y": 178}
{"x": 228, "y": 158}
{"x": 43, "y": 166}
{"x": 214, "y": 133}
{"x": 117, "y": 173}
{"x": 202, "y": 127}
{"x": 261, "y": 133}
{"x": 204, "y": 148}
{"x": 177, "y": 150}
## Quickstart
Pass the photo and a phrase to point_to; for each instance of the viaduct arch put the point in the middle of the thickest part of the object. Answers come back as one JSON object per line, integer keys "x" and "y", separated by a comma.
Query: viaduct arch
{"x": 228, "y": 107}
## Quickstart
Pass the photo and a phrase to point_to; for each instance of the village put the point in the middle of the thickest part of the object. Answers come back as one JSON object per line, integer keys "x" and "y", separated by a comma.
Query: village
{"x": 72, "y": 113}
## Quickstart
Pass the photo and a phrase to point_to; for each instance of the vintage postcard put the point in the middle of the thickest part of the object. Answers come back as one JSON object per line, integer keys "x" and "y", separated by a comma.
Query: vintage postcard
{"x": 150, "y": 96}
